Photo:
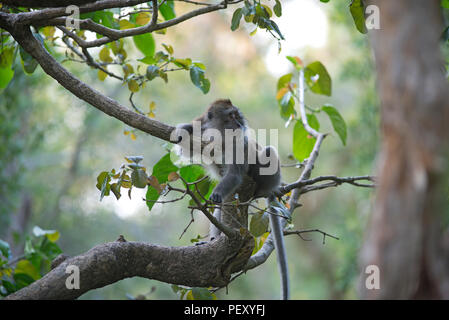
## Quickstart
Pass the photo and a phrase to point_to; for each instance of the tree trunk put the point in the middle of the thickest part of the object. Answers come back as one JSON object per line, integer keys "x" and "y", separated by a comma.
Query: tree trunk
{"x": 405, "y": 233}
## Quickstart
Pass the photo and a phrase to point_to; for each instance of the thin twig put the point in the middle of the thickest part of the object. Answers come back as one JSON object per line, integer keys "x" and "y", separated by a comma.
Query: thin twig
{"x": 336, "y": 181}
{"x": 192, "y": 220}
{"x": 300, "y": 232}
{"x": 133, "y": 105}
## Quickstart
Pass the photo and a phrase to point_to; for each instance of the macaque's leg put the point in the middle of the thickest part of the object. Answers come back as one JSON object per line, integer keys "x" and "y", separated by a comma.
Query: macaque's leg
{"x": 213, "y": 231}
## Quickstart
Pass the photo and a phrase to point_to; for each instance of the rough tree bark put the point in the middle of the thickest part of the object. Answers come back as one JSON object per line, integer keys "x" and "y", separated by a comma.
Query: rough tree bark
{"x": 405, "y": 234}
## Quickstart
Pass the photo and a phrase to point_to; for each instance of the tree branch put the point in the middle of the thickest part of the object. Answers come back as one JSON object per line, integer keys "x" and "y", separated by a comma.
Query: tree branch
{"x": 26, "y": 18}
{"x": 210, "y": 264}
{"x": 336, "y": 181}
{"x": 113, "y": 34}
{"x": 83, "y": 91}
{"x": 45, "y": 3}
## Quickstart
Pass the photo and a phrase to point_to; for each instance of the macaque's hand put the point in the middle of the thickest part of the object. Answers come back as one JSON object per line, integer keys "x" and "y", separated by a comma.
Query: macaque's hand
{"x": 215, "y": 197}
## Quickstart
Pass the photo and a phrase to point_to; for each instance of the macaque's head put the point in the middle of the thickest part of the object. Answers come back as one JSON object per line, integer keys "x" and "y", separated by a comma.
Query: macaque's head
{"x": 223, "y": 115}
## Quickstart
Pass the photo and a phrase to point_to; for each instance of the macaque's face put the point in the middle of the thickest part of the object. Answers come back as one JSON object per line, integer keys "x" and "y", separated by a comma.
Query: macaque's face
{"x": 225, "y": 116}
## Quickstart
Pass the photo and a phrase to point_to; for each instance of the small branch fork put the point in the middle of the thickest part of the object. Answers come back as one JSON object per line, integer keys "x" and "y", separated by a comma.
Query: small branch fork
{"x": 308, "y": 184}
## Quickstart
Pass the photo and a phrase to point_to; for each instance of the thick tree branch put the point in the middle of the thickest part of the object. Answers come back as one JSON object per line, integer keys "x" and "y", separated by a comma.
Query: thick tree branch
{"x": 210, "y": 264}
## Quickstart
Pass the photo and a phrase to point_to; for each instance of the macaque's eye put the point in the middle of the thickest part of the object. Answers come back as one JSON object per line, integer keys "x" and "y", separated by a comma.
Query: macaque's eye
{"x": 209, "y": 115}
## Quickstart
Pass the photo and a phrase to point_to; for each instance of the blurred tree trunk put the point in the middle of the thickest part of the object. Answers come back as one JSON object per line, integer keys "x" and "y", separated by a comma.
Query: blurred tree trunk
{"x": 405, "y": 236}
{"x": 19, "y": 223}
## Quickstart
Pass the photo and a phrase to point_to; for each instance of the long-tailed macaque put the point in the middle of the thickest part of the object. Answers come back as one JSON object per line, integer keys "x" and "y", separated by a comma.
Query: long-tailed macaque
{"x": 229, "y": 154}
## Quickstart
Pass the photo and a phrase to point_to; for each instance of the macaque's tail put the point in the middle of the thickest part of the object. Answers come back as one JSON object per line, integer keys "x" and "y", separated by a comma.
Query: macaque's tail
{"x": 279, "y": 245}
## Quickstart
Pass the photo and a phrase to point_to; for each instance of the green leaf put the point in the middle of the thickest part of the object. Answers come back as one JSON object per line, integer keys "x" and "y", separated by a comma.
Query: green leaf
{"x": 152, "y": 72}
{"x": 10, "y": 287}
{"x": 168, "y": 48}
{"x": 5, "y": 249}
{"x": 153, "y": 195}
{"x": 287, "y": 106}
{"x": 445, "y": 4}
{"x": 192, "y": 172}
{"x": 147, "y": 60}
{"x": 25, "y": 267}
{"x": 28, "y": 62}
{"x": 296, "y": 62}
{"x": 200, "y": 65}
{"x": 6, "y": 57}
{"x": 198, "y": 79}
{"x": 115, "y": 188}
{"x": 167, "y": 9}
{"x": 183, "y": 63}
{"x": 103, "y": 185}
{"x": 357, "y": 9}
{"x": 22, "y": 280}
{"x": 116, "y": 46}
{"x": 145, "y": 43}
{"x": 205, "y": 188}
{"x": 161, "y": 56}
{"x": 103, "y": 17}
{"x": 6, "y": 75}
{"x": 163, "y": 75}
{"x": 302, "y": 142}
{"x": 236, "y": 17}
{"x": 50, "y": 249}
{"x": 139, "y": 178}
{"x": 277, "y": 8}
{"x": 202, "y": 294}
{"x": 163, "y": 168}
{"x": 338, "y": 123}
{"x": 275, "y": 27}
{"x": 51, "y": 235}
{"x": 259, "y": 223}
{"x": 107, "y": 19}
{"x": 104, "y": 55}
{"x": 284, "y": 80}
{"x": 133, "y": 86}
{"x": 101, "y": 75}
{"x": 318, "y": 79}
